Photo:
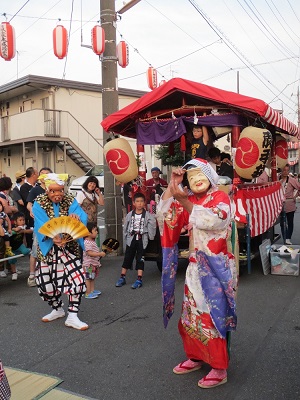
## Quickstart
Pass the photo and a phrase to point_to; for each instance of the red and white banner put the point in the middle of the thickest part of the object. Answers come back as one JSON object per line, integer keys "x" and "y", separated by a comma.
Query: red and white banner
{"x": 276, "y": 119}
{"x": 263, "y": 203}
{"x": 293, "y": 145}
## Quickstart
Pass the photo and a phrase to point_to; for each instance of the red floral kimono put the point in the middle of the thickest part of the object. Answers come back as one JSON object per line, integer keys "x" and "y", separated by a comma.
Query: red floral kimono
{"x": 208, "y": 308}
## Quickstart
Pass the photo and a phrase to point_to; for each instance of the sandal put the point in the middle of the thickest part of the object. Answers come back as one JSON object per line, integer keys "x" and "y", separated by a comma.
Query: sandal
{"x": 212, "y": 380}
{"x": 187, "y": 366}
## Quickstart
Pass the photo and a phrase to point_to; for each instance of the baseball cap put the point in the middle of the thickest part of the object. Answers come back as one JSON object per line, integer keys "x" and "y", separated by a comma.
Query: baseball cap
{"x": 20, "y": 174}
{"x": 155, "y": 169}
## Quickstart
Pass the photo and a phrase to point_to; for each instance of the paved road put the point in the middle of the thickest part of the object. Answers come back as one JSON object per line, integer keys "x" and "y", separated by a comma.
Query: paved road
{"x": 128, "y": 354}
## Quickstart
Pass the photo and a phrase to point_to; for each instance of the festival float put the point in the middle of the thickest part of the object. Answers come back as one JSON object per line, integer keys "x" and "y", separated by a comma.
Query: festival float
{"x": 258, "y": 139}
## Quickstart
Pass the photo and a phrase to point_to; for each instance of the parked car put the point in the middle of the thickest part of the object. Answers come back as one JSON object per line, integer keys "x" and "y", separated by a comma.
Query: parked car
{"x": 77, "y": 183}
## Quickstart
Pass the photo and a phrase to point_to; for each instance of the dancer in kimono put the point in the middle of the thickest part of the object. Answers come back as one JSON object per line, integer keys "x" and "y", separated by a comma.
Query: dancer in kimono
{"x": 59, "y": 268}
{"x": 208, "y": 308}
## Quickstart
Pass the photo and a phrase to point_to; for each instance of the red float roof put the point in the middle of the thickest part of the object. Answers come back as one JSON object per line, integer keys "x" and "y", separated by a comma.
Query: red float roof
{"x": 181, "y": 94}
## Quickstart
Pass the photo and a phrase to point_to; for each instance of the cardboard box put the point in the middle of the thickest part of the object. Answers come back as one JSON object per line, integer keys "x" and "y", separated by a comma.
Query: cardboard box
{"x": 285, "y": 263}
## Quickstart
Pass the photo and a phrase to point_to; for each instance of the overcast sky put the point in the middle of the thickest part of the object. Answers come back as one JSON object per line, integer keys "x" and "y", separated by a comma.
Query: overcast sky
{"x": 209, "y": 42}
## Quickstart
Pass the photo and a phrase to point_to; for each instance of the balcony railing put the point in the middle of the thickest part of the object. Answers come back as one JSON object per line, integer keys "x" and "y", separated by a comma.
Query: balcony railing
{"x": 51, "y": 123}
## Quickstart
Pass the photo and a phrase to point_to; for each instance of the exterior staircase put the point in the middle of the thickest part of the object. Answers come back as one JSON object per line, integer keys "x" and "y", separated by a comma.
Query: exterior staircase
{"x": 81, "y": 147}
{"x": 80, "y": 158}
{"x": 53, "y": 127}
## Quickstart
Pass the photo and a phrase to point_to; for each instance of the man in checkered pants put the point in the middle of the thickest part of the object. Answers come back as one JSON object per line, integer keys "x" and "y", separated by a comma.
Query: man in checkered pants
{"x": 59, "y": 268}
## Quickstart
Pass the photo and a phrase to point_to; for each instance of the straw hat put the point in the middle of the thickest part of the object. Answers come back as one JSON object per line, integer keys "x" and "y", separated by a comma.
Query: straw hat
{"x": 20, "y": 174}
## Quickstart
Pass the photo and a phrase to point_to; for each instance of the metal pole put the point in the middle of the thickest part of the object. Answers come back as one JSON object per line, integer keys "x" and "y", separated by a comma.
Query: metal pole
{"x": 248, "y": 240}
{"x": 36, "y": 147}
{"x": 142, "y": 167}
{"x": 112, "y": 193}
{"x": 273, "y": 159}
{"x": 235, "y": 134}
{"x": 65, "y": 156}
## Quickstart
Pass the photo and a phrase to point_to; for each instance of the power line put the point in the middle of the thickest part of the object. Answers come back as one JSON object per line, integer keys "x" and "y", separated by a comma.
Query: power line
{"x": 234, "y": 49}
{"x": 282, "y": 19}
{"x": 171, "y": 62}
{"x": 186, "y": 33}
{"x": 19, "y": 10}
{"x": 275, "y": 41}
{"x": 48, "y": 51}
{"x": 37, "y": 19}
{"x": 232, "y": 12}
{"x": 48, "y": 19}
{"x": 293, "y": 10}
{"x": 69, "y": 39}
{"x": 267, "y": 27}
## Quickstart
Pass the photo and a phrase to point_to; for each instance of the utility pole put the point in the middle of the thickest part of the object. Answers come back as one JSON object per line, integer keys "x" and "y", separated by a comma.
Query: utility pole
{"x": 110, "y": 104}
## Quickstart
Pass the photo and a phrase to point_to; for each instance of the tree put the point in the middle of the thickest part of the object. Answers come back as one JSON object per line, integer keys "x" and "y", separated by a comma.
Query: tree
{"x": 162, "y": 153}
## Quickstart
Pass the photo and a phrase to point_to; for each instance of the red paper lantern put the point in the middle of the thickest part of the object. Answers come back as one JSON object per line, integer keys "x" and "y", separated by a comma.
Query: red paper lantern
{"x": 252, "y": 153}
{"x": 7, "y": 41}
{"x": 152, "y": 78}
{"x": 121, "y": 160}
{"x": 60, "y": 41}
{"x": 98, "y": 40}
{"x": 281, "y": 149}
{"x": 123, "y": 54}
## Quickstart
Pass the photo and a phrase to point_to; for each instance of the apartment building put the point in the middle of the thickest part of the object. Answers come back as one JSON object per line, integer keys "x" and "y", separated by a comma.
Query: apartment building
{"x": 53, "y": 122}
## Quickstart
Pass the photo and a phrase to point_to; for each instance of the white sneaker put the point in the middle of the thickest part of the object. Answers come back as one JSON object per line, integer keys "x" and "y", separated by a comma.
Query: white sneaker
{"x": 55, "y": 314}
{"x": 14, "y": 276}
{"x": 288, "y": 241}
{"x": 74, "y": 322}
{"x": 31, "y": 281}
{"x": 3, "y": 274}
{"x": 18, "y": 272}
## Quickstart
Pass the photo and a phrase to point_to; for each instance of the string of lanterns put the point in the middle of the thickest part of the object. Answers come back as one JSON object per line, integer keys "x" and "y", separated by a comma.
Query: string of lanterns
{"x": 60, "y": 47}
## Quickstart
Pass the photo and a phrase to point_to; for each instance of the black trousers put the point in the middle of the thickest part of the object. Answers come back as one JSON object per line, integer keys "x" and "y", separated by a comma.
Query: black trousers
{"x": 287, "y": 230}
{"x": 134, "y": 250}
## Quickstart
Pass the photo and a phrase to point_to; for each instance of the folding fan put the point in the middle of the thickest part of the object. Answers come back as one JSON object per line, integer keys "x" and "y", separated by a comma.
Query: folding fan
{"x": 110, "y": 245}
{"x": 70, "y": 228}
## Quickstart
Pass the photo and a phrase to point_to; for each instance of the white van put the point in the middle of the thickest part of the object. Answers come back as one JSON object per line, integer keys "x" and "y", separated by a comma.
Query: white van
{"x": 77, "y": 183}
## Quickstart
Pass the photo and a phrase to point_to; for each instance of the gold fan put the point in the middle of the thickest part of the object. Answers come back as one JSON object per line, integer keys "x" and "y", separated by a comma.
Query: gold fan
{"x": 70, "y": 228}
